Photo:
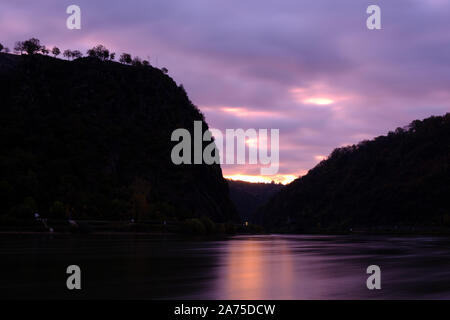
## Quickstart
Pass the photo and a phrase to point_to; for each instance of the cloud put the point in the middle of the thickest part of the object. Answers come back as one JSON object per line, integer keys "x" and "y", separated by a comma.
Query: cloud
{"x": 308, "y": 68}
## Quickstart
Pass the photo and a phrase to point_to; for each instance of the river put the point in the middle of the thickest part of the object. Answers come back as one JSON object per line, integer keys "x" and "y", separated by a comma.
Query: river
{"x": 33, "y": 266}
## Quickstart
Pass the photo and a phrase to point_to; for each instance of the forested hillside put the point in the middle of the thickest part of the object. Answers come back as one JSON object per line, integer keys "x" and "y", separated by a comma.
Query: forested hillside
{"x": 91, "y": 139}
{"x": 248, "y": 197}
{"x": 397, "y": 181}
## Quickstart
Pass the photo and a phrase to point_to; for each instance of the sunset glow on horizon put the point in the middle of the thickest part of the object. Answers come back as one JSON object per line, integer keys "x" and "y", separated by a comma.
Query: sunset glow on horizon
{"x": 283, "y": 179}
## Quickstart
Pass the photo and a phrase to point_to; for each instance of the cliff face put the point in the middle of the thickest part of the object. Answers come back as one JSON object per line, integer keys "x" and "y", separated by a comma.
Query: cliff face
{"x": 91, "y": 139}
{"x": 398, "y": 180}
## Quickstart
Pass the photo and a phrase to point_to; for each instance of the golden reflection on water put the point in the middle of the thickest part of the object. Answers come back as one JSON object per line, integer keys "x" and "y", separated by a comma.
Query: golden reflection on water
{"x": 256, "y": 269}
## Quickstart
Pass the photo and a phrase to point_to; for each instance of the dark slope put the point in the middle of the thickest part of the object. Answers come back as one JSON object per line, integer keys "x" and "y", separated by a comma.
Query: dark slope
{"x": 398, "y": 180}
{"x": 92, "y": 139}
{"x": 247, "y": 196}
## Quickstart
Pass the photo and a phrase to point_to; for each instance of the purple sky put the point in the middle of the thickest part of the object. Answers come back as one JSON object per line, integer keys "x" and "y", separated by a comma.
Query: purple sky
{"x": 308, "y": 68}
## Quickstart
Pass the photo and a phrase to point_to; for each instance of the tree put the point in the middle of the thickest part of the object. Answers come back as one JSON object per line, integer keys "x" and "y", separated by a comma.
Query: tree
{"x": 6, "y": 50}
{"x": 1, "y": 47}
{"x": 145, "y": 63}
{"x": 31, "y": 46}
{"x": 56, "y": 52}
{"x": 44, "y": 50}
{"x": 18, "y": 47}
{"x": 140, "y": 205}
{"x": 76, "y": 54}
{"x": 125, "y": 58}
{"x": 164, "y": 70}
{"x": 112, "y": 56}
{"x": 68, "y": 54}
{"x": 99, "y": 52}
{"x": 57, "y": 210}
{"x": 136, "y": 62}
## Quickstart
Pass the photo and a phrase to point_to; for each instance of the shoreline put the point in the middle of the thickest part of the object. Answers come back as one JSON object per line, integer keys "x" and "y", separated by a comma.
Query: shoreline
{"x": 184, "y": 235}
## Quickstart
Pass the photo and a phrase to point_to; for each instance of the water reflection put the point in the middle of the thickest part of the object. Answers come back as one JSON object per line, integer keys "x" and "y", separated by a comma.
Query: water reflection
{"x": 256, "y": 269}
{"x": 244, "y": 267}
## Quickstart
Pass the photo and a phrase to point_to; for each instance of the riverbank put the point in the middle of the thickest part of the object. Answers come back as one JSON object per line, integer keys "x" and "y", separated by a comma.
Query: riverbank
{"x": 194, "y": 227}
{"x": 201, "y": 226}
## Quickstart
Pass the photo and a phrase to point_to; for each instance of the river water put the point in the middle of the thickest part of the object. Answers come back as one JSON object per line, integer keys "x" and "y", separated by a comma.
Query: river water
{"x": 242, "y": 267}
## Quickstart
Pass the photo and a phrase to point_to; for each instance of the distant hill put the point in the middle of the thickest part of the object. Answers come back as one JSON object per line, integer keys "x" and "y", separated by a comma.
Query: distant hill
{"x": 247, "y": 197}
{"x": 401, "y": 180}
{"x": 91, "y": 139}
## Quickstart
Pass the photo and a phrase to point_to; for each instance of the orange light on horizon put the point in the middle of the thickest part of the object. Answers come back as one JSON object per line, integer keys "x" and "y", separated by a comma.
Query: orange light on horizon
{"x": 283, "y": 179}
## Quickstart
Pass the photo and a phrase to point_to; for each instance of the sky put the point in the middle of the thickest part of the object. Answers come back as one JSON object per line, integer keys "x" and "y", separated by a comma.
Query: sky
{"x": 311, "y": 69}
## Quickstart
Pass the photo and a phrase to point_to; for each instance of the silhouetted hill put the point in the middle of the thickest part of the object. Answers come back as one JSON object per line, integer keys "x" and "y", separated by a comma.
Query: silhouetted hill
{"x": 247, "y": 197}
{"x": 397, "y": 181}
{"x": 91, "y": 139}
